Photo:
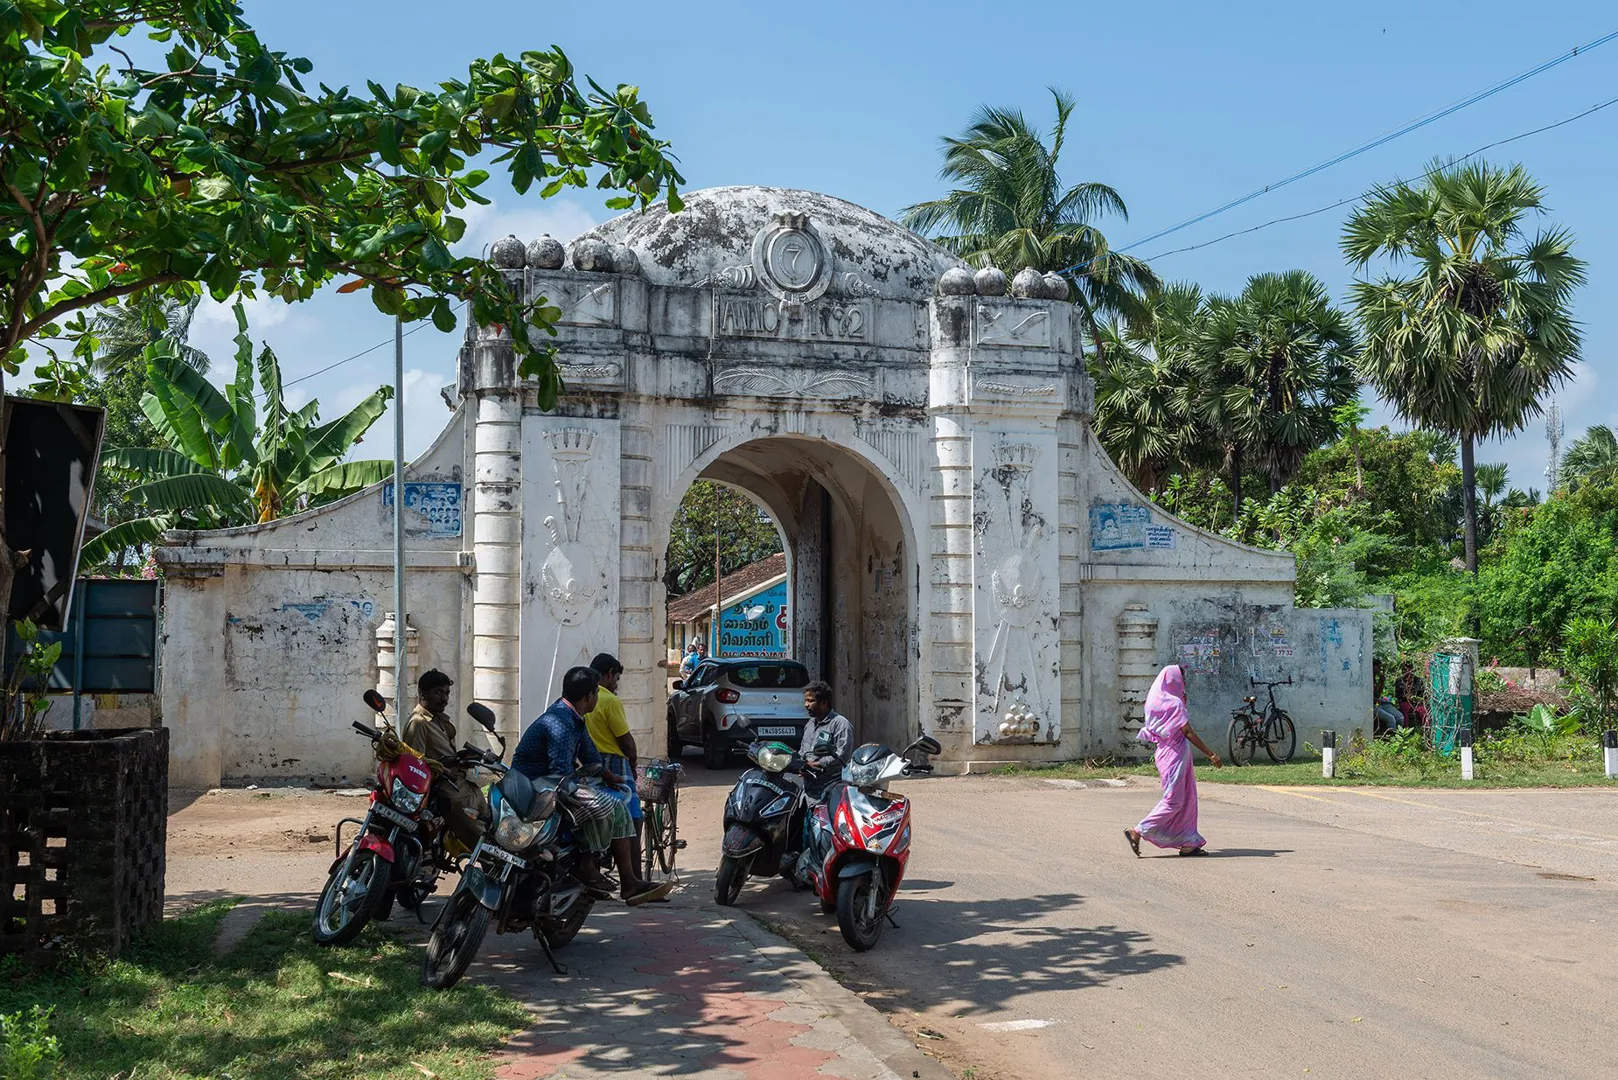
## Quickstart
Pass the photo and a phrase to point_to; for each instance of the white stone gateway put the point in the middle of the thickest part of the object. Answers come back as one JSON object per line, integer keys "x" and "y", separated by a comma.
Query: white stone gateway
{"x": 964, "y": 559}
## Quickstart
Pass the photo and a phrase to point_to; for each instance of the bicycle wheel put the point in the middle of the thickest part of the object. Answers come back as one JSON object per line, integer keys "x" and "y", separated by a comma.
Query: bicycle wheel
{"x": 1280, "y": 738}
{"x": 1242, "y": 741}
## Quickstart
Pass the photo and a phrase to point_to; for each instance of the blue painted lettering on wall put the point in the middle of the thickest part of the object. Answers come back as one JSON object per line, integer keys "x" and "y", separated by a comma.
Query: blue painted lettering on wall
{"x": 434, "y": 507}
{"x": 757, "y": 626}
{"x": 1160, "y": 536}
{"x": 314, "y": 609}
{"x": 1118, "y": 526}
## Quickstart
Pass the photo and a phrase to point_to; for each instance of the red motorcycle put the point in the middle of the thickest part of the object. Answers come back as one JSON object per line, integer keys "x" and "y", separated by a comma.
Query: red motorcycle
{"x": 859, "y": 840}
{"x": 387, "y": 858}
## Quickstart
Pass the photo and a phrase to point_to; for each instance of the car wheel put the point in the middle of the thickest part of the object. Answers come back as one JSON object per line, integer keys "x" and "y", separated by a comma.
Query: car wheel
{"x": 675, "y": 746}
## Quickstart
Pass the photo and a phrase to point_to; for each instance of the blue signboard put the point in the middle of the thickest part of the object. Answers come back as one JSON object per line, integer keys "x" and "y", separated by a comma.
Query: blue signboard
{"x": 756, "y": 626}
{"x": 1120, "y": 526}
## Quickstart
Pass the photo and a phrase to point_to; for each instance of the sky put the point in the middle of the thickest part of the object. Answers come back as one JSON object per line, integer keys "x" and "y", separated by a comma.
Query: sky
{"x": 1181, "y": 107}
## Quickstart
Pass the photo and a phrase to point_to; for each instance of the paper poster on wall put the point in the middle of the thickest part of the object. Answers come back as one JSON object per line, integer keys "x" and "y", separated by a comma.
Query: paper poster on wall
{"x": 432, "y": 508}
{"x": 1197, "y": 653}
{"x": 1118, "y": 526}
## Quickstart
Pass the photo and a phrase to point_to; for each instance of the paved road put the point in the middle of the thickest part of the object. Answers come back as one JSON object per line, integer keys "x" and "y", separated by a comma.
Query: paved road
{"x": 1336, "y": 932}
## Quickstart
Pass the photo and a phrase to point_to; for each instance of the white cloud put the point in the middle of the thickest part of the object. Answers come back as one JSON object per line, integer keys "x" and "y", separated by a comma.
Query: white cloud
{"x": 425, "y": 413}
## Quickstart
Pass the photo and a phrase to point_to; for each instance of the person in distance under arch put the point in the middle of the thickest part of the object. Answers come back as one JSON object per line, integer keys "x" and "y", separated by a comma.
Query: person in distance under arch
{"x": 1173, "y": 822}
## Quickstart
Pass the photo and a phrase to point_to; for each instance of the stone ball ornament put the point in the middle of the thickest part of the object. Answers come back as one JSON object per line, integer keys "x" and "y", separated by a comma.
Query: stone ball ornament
{"x": 1029, "y": 284}
{"x": 1056, "y": 286}
{"x": 508, "y": 253}
{"x": 592, "y": 256}
{"x": 546, "y": 253}
{"x": 990, "y": 281}
{"x": 1019, "y": 723}
{"x": 957, "y": 281}
{"x": 624, "y": 260}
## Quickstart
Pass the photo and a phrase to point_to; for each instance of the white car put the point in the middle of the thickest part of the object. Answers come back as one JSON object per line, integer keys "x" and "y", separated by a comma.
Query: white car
{"x": 727, "y": 704}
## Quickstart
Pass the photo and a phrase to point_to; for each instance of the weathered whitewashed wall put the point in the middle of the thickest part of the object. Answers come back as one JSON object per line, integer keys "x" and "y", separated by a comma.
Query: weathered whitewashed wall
{"x": 964, "y": 559}
{"x": 269, "y": 632}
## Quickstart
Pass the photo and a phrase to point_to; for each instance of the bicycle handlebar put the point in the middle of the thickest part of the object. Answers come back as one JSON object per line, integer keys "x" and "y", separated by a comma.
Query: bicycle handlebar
{"x": 1259, "y": 682}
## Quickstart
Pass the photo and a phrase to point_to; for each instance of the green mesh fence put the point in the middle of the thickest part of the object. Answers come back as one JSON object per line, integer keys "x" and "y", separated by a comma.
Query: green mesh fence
{"x": 1449, "y": 699}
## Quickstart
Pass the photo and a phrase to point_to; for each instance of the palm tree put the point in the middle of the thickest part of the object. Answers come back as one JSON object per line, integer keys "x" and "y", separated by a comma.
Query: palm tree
{"x": 124, "y": 332}
{"x": 1481, "y": 327}
{"x": 1592, "y": 459}
{"x": 1492, "y": 485}
{"x": 228, "y": 466}
{"x": 1350, "y": 417}
{"x": 1011, "y": 210}
{"x": 1141, "y": 418}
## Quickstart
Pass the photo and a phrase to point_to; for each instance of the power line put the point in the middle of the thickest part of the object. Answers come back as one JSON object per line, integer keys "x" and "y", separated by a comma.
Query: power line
{"x": 363, "y": 352}
{"x": 1356, "y": 198}
{"x": 1381, "y": 140}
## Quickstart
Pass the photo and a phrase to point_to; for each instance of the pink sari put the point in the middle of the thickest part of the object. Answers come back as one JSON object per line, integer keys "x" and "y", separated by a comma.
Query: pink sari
{"x": 1173, "y": 822}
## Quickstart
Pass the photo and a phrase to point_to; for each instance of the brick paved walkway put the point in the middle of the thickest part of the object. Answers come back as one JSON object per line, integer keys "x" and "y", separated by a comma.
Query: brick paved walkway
{"x": 683, "y": 990}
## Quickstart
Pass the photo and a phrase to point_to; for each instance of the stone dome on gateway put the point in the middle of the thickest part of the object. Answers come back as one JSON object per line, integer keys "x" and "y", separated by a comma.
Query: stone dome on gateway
{"x": 797, "y": 244}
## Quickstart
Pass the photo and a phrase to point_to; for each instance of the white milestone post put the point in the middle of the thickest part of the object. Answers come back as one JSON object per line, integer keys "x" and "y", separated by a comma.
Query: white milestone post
{"x": 401, "y": 637}
{"x": 1328, "y": 754}
{"x": 1609, "y": 751}
{"x": 1465, "y": 741}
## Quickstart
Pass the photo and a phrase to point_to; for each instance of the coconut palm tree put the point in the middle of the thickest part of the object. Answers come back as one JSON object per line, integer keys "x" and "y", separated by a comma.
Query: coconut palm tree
{"x": 1592, "y": 459}
{"x": 124, "y": 331}
{"x": 1010, "y": 209}
{"x": 1480, "y": 326}
{"x": 1493, "y": 484}
{"x": 222, "y": 463}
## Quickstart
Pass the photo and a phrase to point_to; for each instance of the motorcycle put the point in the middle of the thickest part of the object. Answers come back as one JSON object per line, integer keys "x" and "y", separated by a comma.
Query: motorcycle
{"x": 859, "y": 840}
{"x": 522, "y": 874}
{"x": 763, "y": 820}
{"x": 399, "y": 848}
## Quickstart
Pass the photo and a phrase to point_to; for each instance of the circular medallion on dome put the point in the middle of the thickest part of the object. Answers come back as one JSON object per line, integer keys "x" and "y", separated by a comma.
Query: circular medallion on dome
{"x": 790, "y": 259}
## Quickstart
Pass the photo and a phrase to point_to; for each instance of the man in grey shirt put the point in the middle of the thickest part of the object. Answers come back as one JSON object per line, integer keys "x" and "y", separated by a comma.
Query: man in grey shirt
{"x": 828, "y": 738}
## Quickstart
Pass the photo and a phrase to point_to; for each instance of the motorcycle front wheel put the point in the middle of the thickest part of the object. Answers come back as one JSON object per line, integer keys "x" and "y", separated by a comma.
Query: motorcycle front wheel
{"x": 454, "y": 941}
{"x": 729, "y": 881}
{"x": 859, "y": 914}
{"x": 560, "y": 933}
{"x": 350, "y": 899}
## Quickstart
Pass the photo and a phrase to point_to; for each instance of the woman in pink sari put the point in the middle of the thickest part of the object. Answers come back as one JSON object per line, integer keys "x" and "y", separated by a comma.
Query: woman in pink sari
{"x": 1173, "y": 822}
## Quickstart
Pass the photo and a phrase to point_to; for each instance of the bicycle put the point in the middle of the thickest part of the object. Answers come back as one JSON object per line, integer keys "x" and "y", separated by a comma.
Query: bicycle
{"x": 1271, "y": 726}
{"x": 659, "y": 788}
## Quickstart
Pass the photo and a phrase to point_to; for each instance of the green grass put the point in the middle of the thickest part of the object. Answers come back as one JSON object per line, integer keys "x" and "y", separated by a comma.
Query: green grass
{"x": 1510, "y": 759}
{"x": 275, "y": 1007}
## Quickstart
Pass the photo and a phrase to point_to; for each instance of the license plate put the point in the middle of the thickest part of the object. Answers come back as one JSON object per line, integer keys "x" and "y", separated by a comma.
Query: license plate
{"x": 778, "y": 731}
{"x": 388, "y": 813}
{"x": 505, "y": 856}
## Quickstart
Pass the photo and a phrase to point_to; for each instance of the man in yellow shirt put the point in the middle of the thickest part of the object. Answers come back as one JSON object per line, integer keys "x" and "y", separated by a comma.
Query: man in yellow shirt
{"x": 608, "y": 726}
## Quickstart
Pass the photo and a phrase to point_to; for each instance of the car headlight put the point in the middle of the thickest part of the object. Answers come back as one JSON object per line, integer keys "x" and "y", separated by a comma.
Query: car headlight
{"x": 771, "y": 759}
{"x": 513, "y": 833}
{"x": 402, "y": 797}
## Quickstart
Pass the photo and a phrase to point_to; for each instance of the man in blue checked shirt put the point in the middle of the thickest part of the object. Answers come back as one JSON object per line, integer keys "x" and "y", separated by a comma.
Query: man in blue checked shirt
{"x": 555, "y": 745}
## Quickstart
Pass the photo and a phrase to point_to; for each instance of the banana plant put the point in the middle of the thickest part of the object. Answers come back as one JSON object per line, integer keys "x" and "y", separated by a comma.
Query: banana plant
{"x": 228, "y": 465}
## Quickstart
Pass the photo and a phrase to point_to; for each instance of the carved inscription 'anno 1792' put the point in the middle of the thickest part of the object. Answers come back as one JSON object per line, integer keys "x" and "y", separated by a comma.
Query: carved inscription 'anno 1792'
{"x": 815, "y": 320}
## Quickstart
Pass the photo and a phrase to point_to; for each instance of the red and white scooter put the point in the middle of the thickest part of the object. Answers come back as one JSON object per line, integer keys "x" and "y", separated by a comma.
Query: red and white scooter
{"x": 859, "y": 839}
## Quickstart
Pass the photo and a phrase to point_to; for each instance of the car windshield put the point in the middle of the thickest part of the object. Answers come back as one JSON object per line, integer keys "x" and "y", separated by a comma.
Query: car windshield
{"x": 769, "y": 676}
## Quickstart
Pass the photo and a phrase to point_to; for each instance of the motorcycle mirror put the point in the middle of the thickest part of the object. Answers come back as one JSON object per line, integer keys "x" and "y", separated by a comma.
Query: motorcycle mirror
{"x": 928, "y": 745}
{"x": 679, "y": 684}
{"x": 375, "y": 701}
{"x": 482, "y": 714}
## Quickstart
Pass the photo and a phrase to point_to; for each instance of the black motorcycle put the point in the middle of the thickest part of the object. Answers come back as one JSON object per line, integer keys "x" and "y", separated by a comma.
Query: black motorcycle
{"x": 763, "y": 820}
{"x": 522, "y": 875}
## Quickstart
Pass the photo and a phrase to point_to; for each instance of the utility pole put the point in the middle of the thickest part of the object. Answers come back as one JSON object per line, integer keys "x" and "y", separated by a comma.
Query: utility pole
{"x": 718, "y": 572}
{"x": 401, "y": 634}
{"x": 1553, "y": 435}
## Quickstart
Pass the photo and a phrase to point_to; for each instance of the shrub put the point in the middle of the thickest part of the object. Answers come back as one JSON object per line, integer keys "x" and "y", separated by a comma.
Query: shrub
{"x": 1590, "y": 658}
{"x": 28, "y": 1050}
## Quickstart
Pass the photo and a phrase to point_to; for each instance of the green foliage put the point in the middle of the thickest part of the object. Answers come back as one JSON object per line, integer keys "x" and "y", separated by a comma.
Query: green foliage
{"x": 228, "y": 465}
{"x": 25, "y": 690}
{"x": 1551, "y": 564}
{"x": 222, "y": 171}
{"x": 1590, "y": 657}
{"x": 1433, "y": 601}
{"x": 1011, "y": 209}
{"x": 745, "y": 534}
{"x": 1544, "y": 720}
{"x": 277, "y": 1007}
{"x": 28, "y": 1050}
{"x": 1592, "y": 459}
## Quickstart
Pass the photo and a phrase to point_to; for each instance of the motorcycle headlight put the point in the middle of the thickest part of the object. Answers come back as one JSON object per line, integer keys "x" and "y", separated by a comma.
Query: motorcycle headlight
{"x": 771, "y": 759}
{"x": 513, "y": 833}
{"x": 862, "y": 775}
{"x": 403, "y": 798}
